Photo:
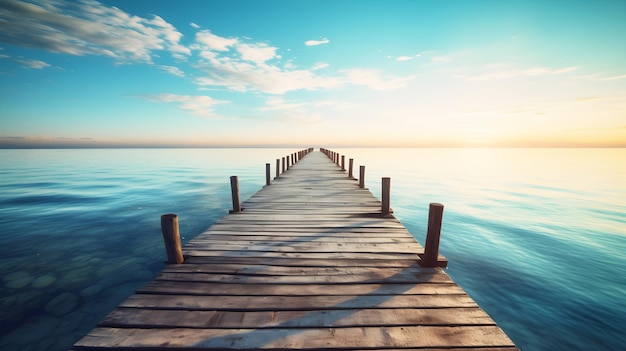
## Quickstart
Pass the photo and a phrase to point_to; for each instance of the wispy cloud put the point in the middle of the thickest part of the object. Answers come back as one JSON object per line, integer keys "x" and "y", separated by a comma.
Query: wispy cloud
{"x": 193, "y": 25}
{"x": 374, "y": 79}
{"x": 172, "y": 70}
{"x": 500, "y": 71}
{"x": 319, "y": 65}
{"x": 316, "y": 42}
{"x": 86, "y": 27}
{"x": 200, "y": 106}
{"x": 404, "y": 58}
{"x": 210, "y": 41}
{"x": 623, "y": 76}
{"x": 26, "y": 63}
{"x": 35, "y": 64}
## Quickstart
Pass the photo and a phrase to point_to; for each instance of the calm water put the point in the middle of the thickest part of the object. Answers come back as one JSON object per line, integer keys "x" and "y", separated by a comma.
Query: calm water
{"x": 536, "y": 236}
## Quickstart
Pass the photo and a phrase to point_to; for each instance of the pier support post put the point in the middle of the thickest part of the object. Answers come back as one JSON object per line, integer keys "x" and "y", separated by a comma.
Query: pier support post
{"x": 350, "y": 165}
{"x": 361, "y": 177}
{"x": 386, "y": 188}
{"x": 343, "y": 162}
{"x": 283, "y": 165}
{"x": 267, "y": 174}
{"x": 431, "y": 249}
{"x": 234, "y": 189}
{"x": 171, "y": 237}
{"x": 277, "y": 168}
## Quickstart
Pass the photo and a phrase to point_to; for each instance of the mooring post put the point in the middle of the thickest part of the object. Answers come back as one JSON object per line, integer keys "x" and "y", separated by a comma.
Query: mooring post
{"x": 350, "y": 164}
{"x": 361, "y": 177}
{"x": 171, "y": 237}
{"x": 277, "y": 168}
{"x": 386, "y": 188}
{"x": 343, "y": 162}
{"x": 234, "y": 189}
{"x": 431, "y": 249}
{"x": 267, "y": 173}
{"x": 283, "y": 165}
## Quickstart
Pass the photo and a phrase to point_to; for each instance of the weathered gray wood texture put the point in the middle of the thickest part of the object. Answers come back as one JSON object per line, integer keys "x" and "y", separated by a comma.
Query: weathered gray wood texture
{"x": 308, "y": 264}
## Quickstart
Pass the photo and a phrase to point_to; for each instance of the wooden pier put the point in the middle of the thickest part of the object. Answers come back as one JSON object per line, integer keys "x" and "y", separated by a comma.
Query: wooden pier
{"x": 309, "y": 262}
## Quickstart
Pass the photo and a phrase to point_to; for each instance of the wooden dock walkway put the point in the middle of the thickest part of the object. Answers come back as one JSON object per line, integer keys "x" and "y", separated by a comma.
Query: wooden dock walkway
{"x": 308, "y": 264}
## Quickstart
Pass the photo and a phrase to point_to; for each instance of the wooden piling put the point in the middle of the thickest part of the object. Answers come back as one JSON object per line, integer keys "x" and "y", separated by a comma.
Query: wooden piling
{"x": 283, "y": 165}
{"x": 386, "y": 188}
{"x": 171, "y": 237}
{"x": 361, "y": 177}
{"x": 277, "y": 168}
{"x": 431, "y": 247}
{"x": 343, "y": 162}
{"x": 267, "y": 173}
{"x": 350, "y": 165}
{"x": 234, "y": 189}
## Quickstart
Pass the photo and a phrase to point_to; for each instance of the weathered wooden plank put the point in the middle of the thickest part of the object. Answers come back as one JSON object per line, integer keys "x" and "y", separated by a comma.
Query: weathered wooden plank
{"x": 301, "y": 338}
{"x": 269, "y": 239}
{"x": 145, "y": 318}
{"x": 295, "y": 303}
{"x": 373, "y": 277}
{"x": 300, "y": 271}
{"x": 309, "y": 262}
{"x": 301, "y": 255}
{"x": 262, "y": 289}
{"x": 304, "y": 247}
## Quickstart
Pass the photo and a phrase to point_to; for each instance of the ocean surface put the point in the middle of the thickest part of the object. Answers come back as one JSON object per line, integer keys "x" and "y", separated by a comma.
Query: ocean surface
{"x": 536, "y": 236}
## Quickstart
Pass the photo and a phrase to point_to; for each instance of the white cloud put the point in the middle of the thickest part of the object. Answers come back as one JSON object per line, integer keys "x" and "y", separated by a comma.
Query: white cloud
{"x": 623, "y": 76}
{"x": 536, "y": 71}
{"x": 258, "y": 53}
{"x": 200, "y": 106}
{"x": 242, "y": 76}
{"x": 172, "y": 70}
{"x": 404, "y": 58}
{"x": 316, "y": 42}
{"x": 86, "y": 27}
{"x": 275, "y": 104}
{"x": 194, "y": 25}
{"x": 319, "y": 65}
{"x": 375, "y": 80}
{"x": 214, "y": 42}
{"x": 500, "y": 71}
{"x": 566, "y": 70}
{"x": 35, "y": 64}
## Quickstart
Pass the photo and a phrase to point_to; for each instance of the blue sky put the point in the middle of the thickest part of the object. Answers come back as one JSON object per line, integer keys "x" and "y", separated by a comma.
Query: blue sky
{"x": 312, "y": 73}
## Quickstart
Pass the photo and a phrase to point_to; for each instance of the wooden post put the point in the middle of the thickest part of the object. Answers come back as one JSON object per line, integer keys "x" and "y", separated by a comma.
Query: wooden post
{"x": 267, "y": 174}
{"x": 343, "y": 162}
{"x": 277, "y": 167}
{"x": 350, "y": 164}
{"x": 171, "y": 236}
{"x": 361, "y": 177}
{"x": 283, "y": 165}
{"x": 386, "y": 187}
{"x": 234, "y": 189}
{"x": 431, "y": 249}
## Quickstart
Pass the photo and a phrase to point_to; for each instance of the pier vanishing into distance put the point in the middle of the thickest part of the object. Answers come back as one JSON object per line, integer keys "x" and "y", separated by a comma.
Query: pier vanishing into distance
{"x": 311, "y": 261}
